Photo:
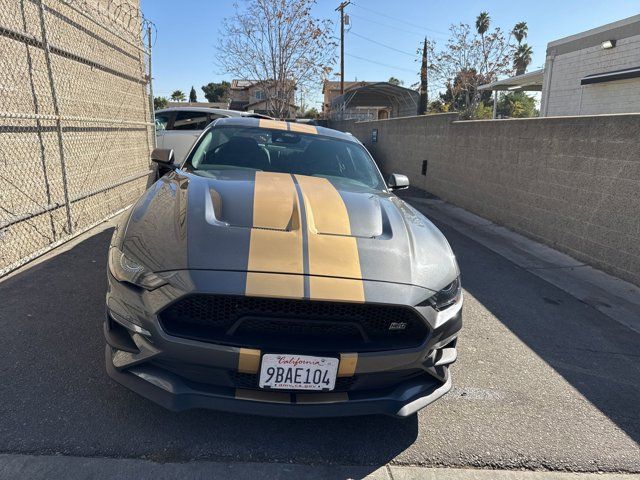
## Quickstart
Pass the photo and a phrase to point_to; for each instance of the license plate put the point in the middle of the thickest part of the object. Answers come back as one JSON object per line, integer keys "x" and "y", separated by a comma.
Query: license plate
{"x": 298, "y": 372}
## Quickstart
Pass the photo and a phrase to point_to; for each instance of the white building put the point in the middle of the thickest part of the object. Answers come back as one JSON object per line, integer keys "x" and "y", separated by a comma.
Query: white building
{"x": 597, "y": 71}
{"x": 593, "y": 72}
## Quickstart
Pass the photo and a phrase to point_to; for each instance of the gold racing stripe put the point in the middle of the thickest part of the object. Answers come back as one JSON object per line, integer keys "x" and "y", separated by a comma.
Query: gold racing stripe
{"x": 332, "y": 251}
{"x": 275, "y": 247}
{"x": 293, "y": 127}
{"x": 348, "y": 364}
{"x": 248, "y": 360}
{"x": 303, "y": 128}
{"x": 274, "y": 124}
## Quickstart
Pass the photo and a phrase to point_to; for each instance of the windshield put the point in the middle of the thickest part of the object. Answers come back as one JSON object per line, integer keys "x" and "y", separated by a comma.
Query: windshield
{"x": 238, "y": 147}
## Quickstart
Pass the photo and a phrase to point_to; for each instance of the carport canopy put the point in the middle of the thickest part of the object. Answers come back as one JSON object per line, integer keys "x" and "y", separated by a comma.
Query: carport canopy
{"x": 402, "y": 101}
{"x": 529, "y": 82}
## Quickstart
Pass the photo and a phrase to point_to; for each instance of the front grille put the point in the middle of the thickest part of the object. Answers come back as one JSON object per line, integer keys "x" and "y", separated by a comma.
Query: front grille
{"x": 288, "y": 325}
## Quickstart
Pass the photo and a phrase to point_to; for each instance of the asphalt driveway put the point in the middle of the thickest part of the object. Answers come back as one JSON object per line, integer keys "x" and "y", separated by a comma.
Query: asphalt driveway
{"x": 543, "y": 381}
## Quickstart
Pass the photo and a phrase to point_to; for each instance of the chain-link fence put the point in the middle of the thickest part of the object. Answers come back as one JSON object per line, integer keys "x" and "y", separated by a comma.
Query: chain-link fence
{"x": 75, "y": 119}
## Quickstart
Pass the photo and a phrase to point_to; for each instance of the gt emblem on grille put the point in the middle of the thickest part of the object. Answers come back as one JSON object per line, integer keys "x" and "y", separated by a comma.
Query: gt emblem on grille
{"x": 398, "y": 326}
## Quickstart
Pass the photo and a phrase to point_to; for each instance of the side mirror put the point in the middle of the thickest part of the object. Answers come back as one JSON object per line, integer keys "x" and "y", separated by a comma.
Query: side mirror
{"x": 398, "y": 181}
{"x": 162, "y": 156}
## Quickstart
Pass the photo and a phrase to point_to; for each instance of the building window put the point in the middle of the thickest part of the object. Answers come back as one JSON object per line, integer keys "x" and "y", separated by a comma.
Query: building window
{"x": 259, "y": 95}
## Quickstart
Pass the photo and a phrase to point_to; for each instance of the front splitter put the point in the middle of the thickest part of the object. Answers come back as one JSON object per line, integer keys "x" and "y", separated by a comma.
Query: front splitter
{"x": 172, "y": 392}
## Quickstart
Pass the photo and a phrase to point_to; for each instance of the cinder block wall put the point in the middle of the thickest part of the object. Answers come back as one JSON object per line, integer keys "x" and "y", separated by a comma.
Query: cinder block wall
{"x": 570, "y": 182}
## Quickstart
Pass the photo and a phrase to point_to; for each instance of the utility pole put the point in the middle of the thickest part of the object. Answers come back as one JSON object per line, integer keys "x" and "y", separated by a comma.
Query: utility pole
{"x": 424, "y": 85}
{"x": 341, "y": 8}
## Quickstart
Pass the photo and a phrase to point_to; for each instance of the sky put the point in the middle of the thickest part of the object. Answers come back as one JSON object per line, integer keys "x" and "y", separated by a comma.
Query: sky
{"x": 188, "y": 32}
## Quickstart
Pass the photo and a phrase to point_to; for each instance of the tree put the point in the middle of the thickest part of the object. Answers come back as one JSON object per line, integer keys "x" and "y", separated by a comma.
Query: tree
{"x": 522, "y": 55}
{"x": 520, "y": 31}
{"x": 279, "y": 44}
{"x": 522, "y": 58}
{"x": 460, "y": 93}
{"x": 482, "y": 25}
{"x": 482, "y": 22}
{"x": 483, "y": 111}
{"x": 178, "y": 96}
{"x": 438, "y": 106}
{"x": 216, "y": 92}
{"x": 469, "y": 59}
{"x": 159, "y": 103}
{"x": 311, "y": 113}
{"x": 192, "y": 95}
{"x": 395, "y": 81}
{"x": 517, "y": 105}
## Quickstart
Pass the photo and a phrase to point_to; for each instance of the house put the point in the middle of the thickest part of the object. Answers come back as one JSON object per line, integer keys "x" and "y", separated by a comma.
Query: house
{"x": 258, "y": 97}
{"x": 589, "y": 73}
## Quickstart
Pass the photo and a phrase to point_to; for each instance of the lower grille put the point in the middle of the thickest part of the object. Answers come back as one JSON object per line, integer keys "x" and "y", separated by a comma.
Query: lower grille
{"x": 285, "y": 325}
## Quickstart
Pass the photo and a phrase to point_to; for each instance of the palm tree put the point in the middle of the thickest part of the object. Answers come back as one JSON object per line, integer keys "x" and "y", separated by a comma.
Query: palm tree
{"x": 482, "y": 25}
{"x": 178, "y": 96}
{"x": 520, "y": 31}
{"x": 522, "y": 58}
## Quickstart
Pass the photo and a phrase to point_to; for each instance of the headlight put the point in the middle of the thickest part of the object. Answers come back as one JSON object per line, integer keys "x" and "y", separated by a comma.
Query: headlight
{"x": 126, "y": 269}
{"x": 445, "y": 297}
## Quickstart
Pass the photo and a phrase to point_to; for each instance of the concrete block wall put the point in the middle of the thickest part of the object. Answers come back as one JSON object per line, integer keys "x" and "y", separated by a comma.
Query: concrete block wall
{"x": 570, "y": 182}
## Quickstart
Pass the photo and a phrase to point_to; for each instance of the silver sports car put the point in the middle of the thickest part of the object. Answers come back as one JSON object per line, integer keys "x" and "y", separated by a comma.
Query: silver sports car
{"x": 274, "y": 272}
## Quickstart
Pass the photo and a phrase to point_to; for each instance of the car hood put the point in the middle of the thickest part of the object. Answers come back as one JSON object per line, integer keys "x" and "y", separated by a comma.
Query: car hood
{"x": 280, "y": 223}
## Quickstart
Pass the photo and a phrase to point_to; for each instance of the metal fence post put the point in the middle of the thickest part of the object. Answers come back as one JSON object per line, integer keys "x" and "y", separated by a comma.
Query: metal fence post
{"x": 56, "y": 111}
{"x": 152, "y": 113}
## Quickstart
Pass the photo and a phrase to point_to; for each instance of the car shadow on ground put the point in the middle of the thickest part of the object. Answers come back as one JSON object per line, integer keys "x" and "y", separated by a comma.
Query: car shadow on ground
{"x": 58, "y": 398}
{"x": 599, "y": 357}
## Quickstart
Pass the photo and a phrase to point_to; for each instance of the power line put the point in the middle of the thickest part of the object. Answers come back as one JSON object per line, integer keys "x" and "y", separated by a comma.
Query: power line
{"x": 414, "y": 55}
{"x": 397, "y": 19}
{"x": 380, "y": 63}
{"x": 397, "y": 29}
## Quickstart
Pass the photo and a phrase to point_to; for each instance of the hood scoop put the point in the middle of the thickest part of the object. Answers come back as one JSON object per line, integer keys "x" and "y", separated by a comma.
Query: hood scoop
{"x": 265, "y": 205}
{"x": 365, "y": 216}
{"x": 272, "y": 204}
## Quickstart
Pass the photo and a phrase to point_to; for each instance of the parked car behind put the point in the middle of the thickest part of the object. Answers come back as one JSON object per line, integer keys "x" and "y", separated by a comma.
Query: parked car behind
{"x": 178, "y": 128}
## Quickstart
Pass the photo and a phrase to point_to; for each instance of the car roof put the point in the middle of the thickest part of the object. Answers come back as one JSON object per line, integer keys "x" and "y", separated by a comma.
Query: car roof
{"x": 276, "y": 124}
{"x": 220, "y": 111}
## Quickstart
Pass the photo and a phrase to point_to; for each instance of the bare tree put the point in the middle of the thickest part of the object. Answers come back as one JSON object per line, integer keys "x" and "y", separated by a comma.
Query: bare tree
{"x": 279, "y": 44}
{"x": 469, "y": 58}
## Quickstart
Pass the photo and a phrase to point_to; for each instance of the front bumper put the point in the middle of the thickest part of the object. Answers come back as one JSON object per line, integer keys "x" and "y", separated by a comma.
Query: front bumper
{"x": 181, "y": 374}
{"x": 174, "y": 393}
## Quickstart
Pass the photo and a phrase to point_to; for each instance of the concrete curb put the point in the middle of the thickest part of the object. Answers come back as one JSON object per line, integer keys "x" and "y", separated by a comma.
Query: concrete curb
{"x": 615, "y": 298}
{"x": 85, "y": 468}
